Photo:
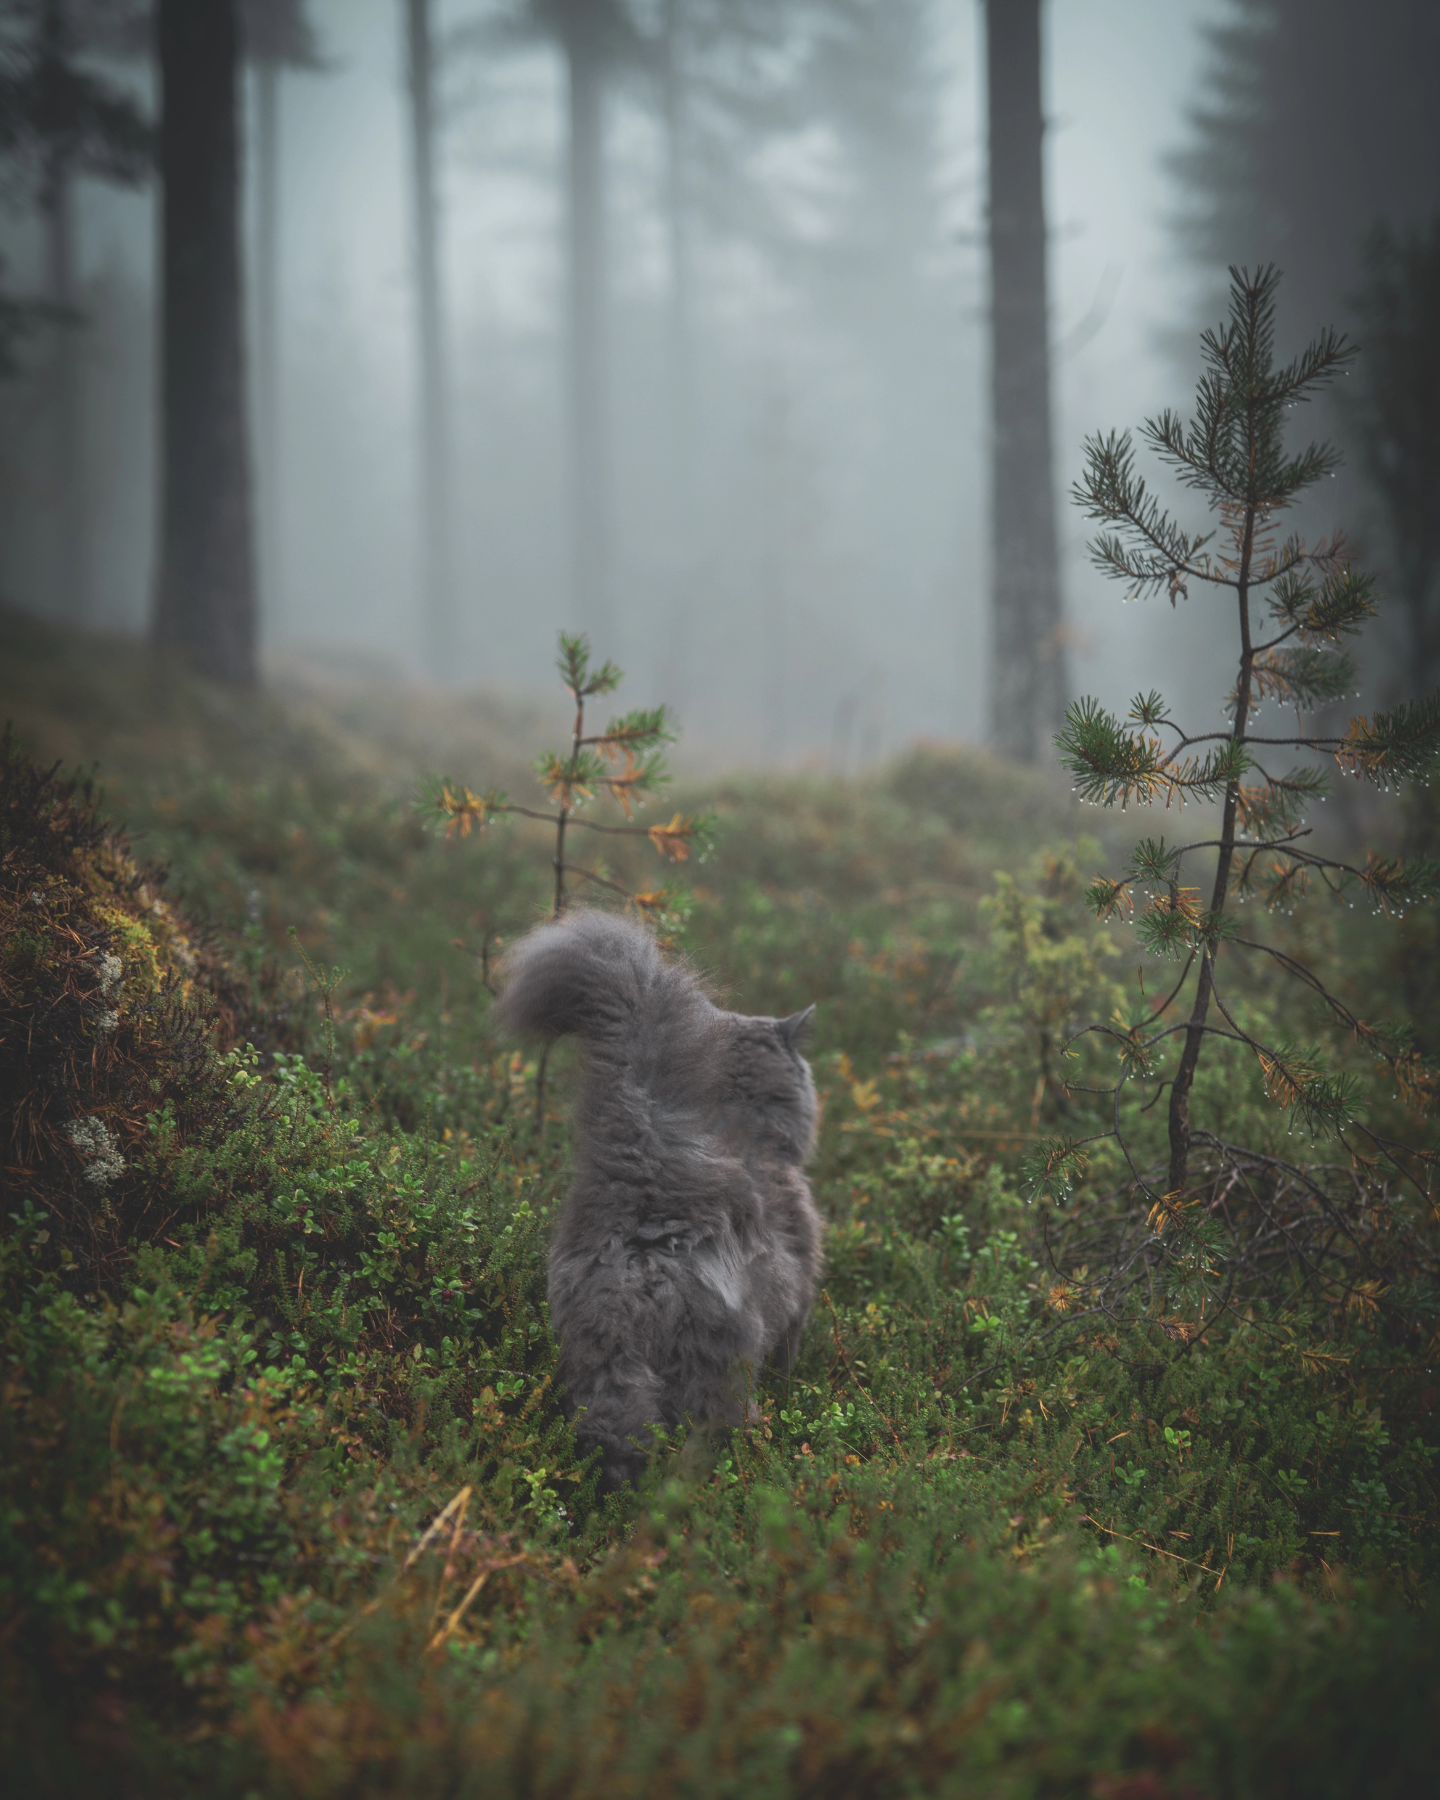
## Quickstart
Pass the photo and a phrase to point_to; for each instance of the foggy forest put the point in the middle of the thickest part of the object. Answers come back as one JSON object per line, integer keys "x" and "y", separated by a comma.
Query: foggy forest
{"x": 661, "y": 653}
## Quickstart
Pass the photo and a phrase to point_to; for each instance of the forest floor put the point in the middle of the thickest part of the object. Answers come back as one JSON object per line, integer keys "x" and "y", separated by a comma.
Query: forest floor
{"x": 288, "y": 1502}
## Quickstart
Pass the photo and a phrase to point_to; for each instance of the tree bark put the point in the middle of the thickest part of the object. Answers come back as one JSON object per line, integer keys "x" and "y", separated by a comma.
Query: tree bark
{"x": 205, "y": 604}
{"x": 680, "y": 349}
{"x": 587, "y": 276}
{"x": 1029, "y": 678}
{"x": 68, "y": 473}
{"x": 436, "y": 550}
{"x": 269, "y": 483}
{"x": 1179, "y": 1120}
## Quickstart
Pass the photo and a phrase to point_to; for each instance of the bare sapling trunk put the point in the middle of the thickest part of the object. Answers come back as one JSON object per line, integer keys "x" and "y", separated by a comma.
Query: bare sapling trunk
{"x": 1224, "y": 861}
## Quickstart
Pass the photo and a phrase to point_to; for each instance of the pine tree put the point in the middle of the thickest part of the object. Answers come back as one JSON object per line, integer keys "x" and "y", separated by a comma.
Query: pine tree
{"x": 625, "y": 763}
{"x": 1397, "y": 402}
{"x": 277, "y": 35}
{"x": 205, "y": 603}
{"x": 64, "y": 123}
{"x": 727, "y": 79}
{"x": 436, "y": 528}
{"x": 1293, "y": 605}
{"x": 595, "y": 40}
{"x": 1277, "y": 159}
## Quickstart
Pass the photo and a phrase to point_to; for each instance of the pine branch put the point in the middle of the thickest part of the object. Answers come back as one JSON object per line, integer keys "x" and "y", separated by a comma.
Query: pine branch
{"x": 1198, "y": 451}
{"x": 1316, "y": 365}
{"x": 457, "y": 809}
{"x": 1279, "y": 805}
{"x": 1115, "y": 765}
{"x": 1397, "y": 745}
{"x": 1302, "y": 676}
{"x": 1345, "y": 600}
{"x": 1112, "y": 493}
{"x": 1176, "y": 924}
{"x": 595, "y": 877}
{"x": 1154, "y": 860}
{"x": 573, "y": 664}
{"x": 1322, "y": 1103}
{"x": 1150, "y": 709}
{"x": 643, "y": 729}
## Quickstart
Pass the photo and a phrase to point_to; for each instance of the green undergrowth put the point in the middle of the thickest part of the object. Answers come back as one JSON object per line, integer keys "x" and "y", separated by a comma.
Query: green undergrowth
{"x": 288, "y": 1503}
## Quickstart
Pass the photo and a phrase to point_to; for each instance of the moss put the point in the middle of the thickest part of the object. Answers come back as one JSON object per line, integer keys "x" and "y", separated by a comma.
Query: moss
{"x": 288, "y": 1503}
{"x": 111, "y": 1005}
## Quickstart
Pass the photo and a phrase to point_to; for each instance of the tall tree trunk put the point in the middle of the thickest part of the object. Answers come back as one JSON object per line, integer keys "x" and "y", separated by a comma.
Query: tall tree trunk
{"x": 778, "y": 529}
{"x": 68, "y": 472}
{"x": 586, "y": 373}
{"x": 1029, "y": 679}
{"x": 269, "y": 485}
{"x": 436, "y": 550}
{"x": 679, "y": 347}
{"x": 205, "y": 603}
{"x": 680, "y": 350}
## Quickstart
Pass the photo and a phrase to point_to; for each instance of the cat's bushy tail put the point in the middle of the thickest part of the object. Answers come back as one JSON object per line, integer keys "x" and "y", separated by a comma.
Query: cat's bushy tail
{"x": 590, "y": 974}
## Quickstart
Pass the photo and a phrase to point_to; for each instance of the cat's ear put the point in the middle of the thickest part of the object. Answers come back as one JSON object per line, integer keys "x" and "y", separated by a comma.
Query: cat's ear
{"x": 796, "y": 1029}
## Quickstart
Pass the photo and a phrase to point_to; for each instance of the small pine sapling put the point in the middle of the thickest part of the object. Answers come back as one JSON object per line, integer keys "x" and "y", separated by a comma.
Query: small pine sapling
{"x": 624, "y": 762}
{"x": 1291, "y": 606}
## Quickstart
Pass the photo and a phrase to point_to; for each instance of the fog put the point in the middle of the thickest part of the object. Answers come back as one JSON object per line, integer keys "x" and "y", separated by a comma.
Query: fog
{"x": 808, "y": 571}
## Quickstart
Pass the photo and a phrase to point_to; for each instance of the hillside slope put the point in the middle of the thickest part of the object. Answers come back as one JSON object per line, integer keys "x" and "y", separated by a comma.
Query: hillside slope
{"x": 288, "y": 1503}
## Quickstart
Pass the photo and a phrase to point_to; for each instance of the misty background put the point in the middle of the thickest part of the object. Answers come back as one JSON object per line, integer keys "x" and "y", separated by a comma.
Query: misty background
{"x": 795, "y": 477}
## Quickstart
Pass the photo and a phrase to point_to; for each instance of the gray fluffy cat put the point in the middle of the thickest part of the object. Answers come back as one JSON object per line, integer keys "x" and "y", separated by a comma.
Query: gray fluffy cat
{"x": 688, "y": 1251}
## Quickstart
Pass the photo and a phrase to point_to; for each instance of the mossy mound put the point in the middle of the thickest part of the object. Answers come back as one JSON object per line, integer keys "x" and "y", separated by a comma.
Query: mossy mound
{"x": 242, "y": 1339}
{"x": 113, "y": 1008}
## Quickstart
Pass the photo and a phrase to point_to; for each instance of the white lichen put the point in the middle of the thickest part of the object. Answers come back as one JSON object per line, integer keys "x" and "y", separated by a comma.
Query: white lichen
{"x": 111, "y": 972}
{"x": 93, "y": 1139}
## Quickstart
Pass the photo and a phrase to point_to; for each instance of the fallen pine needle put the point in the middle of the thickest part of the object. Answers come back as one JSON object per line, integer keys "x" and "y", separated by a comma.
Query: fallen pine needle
{"x": 1159, "y": 1549}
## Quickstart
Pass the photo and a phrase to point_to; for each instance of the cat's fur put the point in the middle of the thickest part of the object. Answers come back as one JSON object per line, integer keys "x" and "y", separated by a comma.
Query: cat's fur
{"x": 688, "y": 1251}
